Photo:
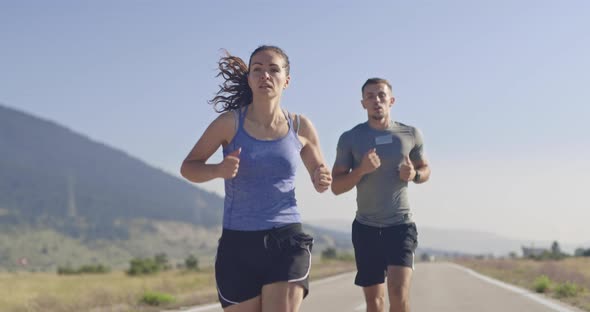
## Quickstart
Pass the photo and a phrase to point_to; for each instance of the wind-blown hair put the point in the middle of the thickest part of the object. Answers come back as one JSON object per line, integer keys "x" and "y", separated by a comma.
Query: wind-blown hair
{"x": 235, "y": 92}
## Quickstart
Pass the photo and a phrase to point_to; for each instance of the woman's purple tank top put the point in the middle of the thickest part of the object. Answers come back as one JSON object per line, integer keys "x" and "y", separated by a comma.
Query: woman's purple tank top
{"x": 262, "y": 195}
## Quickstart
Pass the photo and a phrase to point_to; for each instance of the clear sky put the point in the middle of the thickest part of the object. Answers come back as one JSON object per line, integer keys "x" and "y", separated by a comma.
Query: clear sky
{"x": 500, "y": 90}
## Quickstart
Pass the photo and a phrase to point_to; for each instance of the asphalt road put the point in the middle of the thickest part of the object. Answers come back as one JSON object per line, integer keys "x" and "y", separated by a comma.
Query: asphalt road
{"x": 440, "y": 287}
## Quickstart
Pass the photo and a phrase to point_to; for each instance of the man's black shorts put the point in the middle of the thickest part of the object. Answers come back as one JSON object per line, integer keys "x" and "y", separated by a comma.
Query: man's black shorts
{"x": 248, "y": 260}
{"x": 376, "y": 248}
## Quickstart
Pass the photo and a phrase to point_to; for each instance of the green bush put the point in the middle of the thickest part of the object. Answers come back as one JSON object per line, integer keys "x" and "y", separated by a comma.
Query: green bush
{"x": 192, "y": 263}
{"x": 329, "y": 253}
{"x": 67, "y": 270}
{"x": 162, "y": 261}
{"x": 542, "y": 284}
{"x": 144, "y": 266}
{"x": 566, "y": 289}
{"x": 332, "y": 253}
{"x": 93, "y": 269}
{"x": 155, "y": 299}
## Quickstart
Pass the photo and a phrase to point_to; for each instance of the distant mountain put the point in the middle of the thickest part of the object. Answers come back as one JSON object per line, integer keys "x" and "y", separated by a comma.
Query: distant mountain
{"x": 476, "y": 242}
{"x": 53, "y": 176}
{"x": 469, "y": 242}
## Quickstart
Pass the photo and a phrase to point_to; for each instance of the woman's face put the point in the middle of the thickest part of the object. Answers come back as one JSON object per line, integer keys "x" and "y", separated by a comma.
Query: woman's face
{"x": 268, "y": 75}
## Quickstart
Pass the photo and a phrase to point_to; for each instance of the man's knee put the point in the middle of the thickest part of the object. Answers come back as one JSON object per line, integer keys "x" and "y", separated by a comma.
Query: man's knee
{"x": 398, "y": 281}
{"x": 399, "y": 290}
{"x": 375, "y": 303}
{"x": 375, "y": 297}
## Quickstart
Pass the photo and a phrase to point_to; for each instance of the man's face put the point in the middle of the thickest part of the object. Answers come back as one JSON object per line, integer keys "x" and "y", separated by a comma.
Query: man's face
{"x": 377, "y": 100}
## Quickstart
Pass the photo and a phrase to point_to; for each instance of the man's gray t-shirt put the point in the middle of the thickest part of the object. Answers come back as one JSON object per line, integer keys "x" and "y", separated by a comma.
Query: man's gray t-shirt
{"x": 382, "y": 198}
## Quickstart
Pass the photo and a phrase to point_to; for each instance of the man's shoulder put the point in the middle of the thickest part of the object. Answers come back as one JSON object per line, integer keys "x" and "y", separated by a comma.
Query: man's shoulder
{"x": 349, "y": 136}
{"x": 355, "y": 130}
{"x": 403, "y": 125}
{"x": 405, "y": 130}
{"x": 360, "y": 127}
{"x": 399, "y": 126}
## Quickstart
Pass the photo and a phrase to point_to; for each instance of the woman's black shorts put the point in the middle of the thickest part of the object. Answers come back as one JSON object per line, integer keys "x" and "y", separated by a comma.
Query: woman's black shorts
{"x": 248, "y": 260}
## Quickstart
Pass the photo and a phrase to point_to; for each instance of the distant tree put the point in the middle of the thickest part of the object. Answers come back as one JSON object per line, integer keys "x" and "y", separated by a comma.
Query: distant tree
{"x": 92, "y": 269}
{"x": 66, "y": 270}
{"x": 329, "y": 253}
{"x": 555, "y": 249}
{"x": 139, "y": 266}
{"x": 512, "y": 255}
{"x": 98, "y": 268}
{"x": 192, "y": 263}
{"x": 161, "y": 260}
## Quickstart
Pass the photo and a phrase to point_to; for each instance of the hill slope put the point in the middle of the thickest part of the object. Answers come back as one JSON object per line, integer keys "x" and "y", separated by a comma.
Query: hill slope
{"x": 54, "y": 176}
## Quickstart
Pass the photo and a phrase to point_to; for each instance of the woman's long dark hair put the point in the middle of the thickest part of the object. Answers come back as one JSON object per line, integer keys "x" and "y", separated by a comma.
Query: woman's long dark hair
{"x": 235, "y": 91}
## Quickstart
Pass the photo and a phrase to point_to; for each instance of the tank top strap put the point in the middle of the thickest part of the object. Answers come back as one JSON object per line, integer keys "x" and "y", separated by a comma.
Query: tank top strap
{"x": 240, "y": 115}
{"x": 288, "y": 119}
{"x": 243, "y": 116}
{"x": 236, "y": 120}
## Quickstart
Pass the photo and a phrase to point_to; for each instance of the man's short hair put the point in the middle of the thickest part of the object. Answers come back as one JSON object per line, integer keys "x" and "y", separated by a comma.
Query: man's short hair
{"x": 376, "y": 81}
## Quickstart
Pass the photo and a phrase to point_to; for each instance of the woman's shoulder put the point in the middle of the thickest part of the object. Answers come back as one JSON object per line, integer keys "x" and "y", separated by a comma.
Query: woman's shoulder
{"x": 226, "y": 117}
{"x": 224, "y": 125}
{"x": 301, "y": 123}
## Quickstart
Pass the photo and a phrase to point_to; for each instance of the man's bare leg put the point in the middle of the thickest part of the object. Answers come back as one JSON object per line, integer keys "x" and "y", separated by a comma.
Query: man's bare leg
{"x": 398, "y": 288}
{"x": 375, "y": 298}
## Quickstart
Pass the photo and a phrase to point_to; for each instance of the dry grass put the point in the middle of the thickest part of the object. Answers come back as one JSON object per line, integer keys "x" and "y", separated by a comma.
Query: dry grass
{"x": 330, "y": 267}
{"x": 115, "y": 291}
{"x": 31, "y": 291}
{"x": 523, "y": 272}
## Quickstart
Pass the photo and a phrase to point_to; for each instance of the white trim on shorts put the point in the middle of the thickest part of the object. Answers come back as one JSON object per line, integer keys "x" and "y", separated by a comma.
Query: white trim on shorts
{"x": 225, "y": 299}
{"x": 289, "y": 281}
{"x": 308, "y": 268}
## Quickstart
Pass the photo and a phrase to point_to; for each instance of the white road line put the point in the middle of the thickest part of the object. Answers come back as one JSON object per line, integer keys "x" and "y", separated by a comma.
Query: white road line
{"x": 533, "y": 296}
